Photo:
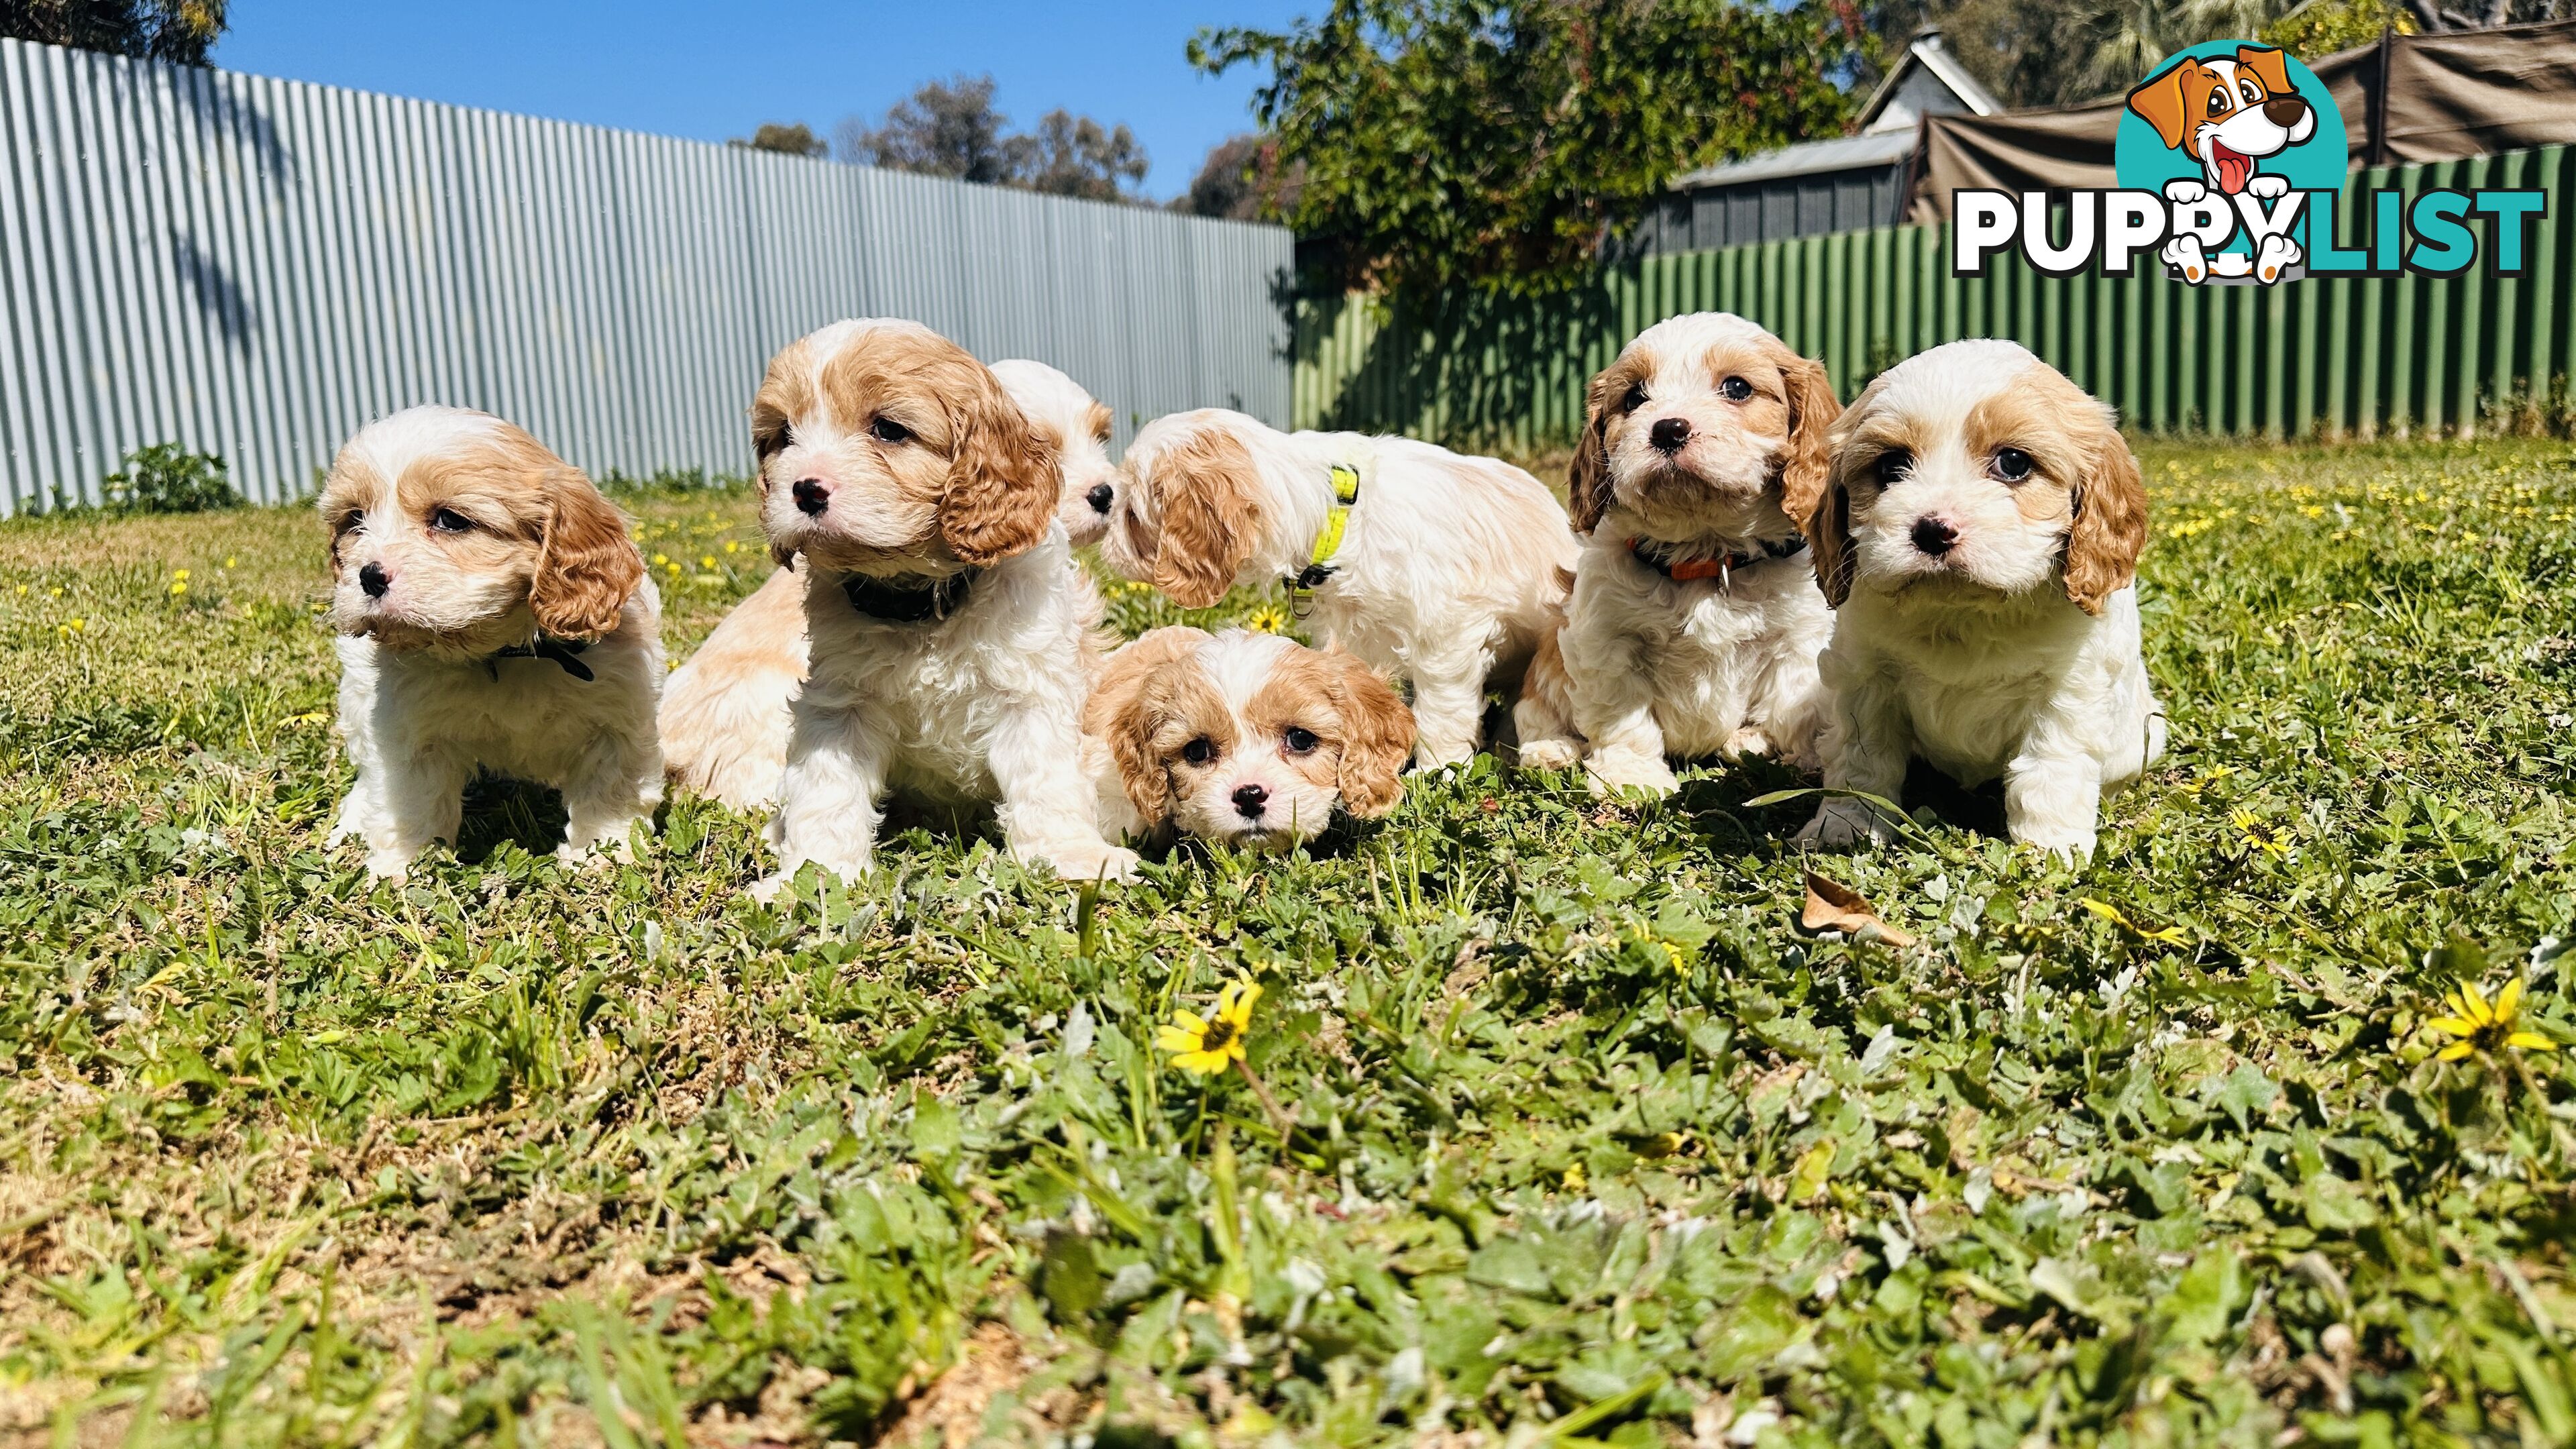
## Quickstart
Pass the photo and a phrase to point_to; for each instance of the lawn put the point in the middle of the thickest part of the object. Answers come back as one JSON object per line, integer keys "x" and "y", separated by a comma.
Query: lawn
{"x": 1584, "y": 1141}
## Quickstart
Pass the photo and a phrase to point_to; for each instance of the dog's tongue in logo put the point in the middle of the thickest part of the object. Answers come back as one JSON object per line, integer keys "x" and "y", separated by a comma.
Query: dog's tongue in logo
{"x": 2233, "y": 166}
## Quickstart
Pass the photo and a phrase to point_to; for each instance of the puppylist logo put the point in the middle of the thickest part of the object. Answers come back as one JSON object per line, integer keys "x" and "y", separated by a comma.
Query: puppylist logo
{"x": 2231, "y": 161}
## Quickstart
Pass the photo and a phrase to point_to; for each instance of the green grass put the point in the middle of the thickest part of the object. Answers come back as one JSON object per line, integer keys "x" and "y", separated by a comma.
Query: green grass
{"x": 1589, "y": 1143}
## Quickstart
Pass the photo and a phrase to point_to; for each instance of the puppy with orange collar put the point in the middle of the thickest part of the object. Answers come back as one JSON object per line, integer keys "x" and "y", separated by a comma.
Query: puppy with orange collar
{"x": 1695, "y": 620}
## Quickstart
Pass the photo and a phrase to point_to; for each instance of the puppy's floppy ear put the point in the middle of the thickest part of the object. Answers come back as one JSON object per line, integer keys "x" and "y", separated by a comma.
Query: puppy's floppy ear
{"x": 1829, "y": 542}
{"x": 1377, "y": 737}
{"x": 2158, "y": 100}
{"x": 1587, "y": 478}
{"x": 784, "y": 389}
{"x": 587, "y": 567}
{"x": 1807, "y": 458}
{"x": 1122, "y": 711}
{"x": 1002, "y": 477}
{"x": 2271, "y": 65}
{"x": 2109, "y": 529}
{"x": 1210, "y": 493}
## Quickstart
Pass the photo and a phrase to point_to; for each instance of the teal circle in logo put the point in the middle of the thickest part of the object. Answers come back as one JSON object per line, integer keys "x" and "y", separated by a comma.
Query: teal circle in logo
{"x": 2226, "y": 112}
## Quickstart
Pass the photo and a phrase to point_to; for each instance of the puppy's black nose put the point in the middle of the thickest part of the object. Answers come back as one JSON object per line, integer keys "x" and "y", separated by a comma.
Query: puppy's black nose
{"x": 375, "y": 580}
{"x": 1669, "y": 434}
{"x": 1934, "y": 537}
{"x": 1100, "y": 497}
{"x": 1250, "y": 801}
{"x": 811, "y": 497}
{"x": 2284, "y": 111}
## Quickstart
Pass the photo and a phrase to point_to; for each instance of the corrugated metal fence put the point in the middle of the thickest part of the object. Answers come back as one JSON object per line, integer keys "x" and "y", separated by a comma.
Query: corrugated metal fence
{"x": 2329, "y": 357}
{"x": 256, "y": 268}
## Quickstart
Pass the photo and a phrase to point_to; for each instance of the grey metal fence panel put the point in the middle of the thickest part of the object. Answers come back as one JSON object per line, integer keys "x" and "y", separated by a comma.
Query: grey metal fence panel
{"x": 256, "y": 268}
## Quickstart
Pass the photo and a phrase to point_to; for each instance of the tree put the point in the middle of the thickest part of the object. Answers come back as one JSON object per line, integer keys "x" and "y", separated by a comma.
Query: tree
{"x": 1497, "y": 141}
{"x": 175, "y": 30}
{"x": 946, "y": 128}
{"x": 1240, "y": 181}
{"x": 796, "y": 139}
{"x": 1070, "y": 155}
{"x": 951, "y": 128}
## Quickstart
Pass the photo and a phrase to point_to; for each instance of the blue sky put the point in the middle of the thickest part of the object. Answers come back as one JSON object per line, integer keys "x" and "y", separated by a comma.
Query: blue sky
{"x": 709, "y": 71}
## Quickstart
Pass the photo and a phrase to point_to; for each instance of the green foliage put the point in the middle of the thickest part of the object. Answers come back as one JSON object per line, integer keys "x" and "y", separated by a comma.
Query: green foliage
{"x": 1590, "y": 1144}
{"x": 788, "y": 139}
{"x": 2322, "y": 27}
{"x": 1497, "y": 141}
{"x": 175, "y": 30}
{"x": 167, "y": 478}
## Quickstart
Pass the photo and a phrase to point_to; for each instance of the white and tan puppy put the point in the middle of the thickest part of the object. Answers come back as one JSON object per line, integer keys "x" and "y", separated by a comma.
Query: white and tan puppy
{"x": 1978, "y": 536}
{"x": 1242, "y": 737}
{"x": 724, "y": 712}
{"x": 1695, "y": 619}
{"x": 1441, "y": 570}
{"x": 947, "y": 626}
{"x": 493, "y": 615}
{"x": 1077, "y": 426}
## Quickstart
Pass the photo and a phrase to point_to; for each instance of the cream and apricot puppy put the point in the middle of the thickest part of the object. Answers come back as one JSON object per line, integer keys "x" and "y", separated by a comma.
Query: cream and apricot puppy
{"x": 493, "y": 615}
{"x": 947, "y": 627}
{"x": 1077, "y": 426}
{"x": 1434, "y": 568}
{"x": 1695, "y": 620}
{"x": 1242, "y": 737}
{"x": 1978, "y": 537}
{"x": 724, "y": 713}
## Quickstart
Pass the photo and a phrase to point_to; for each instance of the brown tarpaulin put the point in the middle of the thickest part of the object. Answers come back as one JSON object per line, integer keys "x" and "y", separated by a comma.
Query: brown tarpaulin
{"x": 2406, "y": 98}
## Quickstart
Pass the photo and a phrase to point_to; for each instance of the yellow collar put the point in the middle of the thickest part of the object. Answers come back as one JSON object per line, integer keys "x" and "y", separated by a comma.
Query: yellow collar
{"x": 1319, "y": 560}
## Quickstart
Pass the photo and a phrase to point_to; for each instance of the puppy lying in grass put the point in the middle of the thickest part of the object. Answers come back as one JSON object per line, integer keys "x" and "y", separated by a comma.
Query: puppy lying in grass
{"x": 1241, "y": 737}
{"x": 1978, "y": 537}
{"x": 493, "y": 615}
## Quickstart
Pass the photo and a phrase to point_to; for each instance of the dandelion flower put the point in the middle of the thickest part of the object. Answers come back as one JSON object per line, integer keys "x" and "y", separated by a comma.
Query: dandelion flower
{"x": 733, "y": 545}
{"x": 2485, "y": 1029}
{"x": 1209, "y": 1045}
{"x": 660, "y": 559}
{"x": 708, "y": 563}
{"x": 1268, "y": 619}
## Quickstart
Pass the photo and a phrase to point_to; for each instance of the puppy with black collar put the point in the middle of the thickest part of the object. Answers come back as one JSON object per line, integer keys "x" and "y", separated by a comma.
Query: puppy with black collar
{"x": 948, "y": 629}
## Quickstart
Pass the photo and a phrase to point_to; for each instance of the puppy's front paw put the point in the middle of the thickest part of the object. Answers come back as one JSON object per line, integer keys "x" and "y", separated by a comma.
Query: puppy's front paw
{"x": 391, "y": 862}
{"x": 765, "y": 890}
{"x": 2269, "y": 188}
{"x": 1841, "y": 824}
{"x": 1550, "y": 755}
{"x": 1746, "y": 741}
{"x": 1619, "y": 771}
{"x": 2070, "y": 848}
{"x": 2183, "y": 191}
{"x": 2184, "y": 255}
{"x": 2277, "y": 254}
{"x": 1096, "y": 860}
{"x": 1428, "y": 755}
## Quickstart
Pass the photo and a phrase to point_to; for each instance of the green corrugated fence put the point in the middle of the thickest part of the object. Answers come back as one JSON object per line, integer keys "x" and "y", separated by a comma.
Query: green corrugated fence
{"x": 2347, "y": 356}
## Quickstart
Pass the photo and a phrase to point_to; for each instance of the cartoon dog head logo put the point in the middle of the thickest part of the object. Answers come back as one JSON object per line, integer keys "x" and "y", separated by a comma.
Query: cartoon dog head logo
{"x": 2227, "y": 112}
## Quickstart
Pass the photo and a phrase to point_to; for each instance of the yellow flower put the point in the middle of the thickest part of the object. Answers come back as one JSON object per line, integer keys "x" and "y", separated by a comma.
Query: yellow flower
{"x": 708, "y": 563}
{"x": 2483, "y": 1028}
{"x": 229, "y": 562}
{"x": 180, "y": 574}
{"x": 2259, "y": 833}
{"x": 1574, "y": 1179}
{"x": 2169, "y": 935}
{"x": 1268, "y": 619}
{"x": 180, "y": 587}
{"x": 733, "y": 545}
{"x": 1208, "y": 1046}
{"x": 661, "y": 558}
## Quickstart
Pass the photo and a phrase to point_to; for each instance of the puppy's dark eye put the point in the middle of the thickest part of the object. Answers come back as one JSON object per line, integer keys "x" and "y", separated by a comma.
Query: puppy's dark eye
{"x": 887, "y": 430}
{"x": 2012, "y": 464}
{"x": 448, "y": 520}
{"x": 1200, "y": 751}
{"x": 1893, "y": 464}
{"x": 2218, "y": 103}
{"x": 1736, "y": 389}
{"x": 1300, "y": 741}
{"x": 1634, "y": 398}
{"x": 352, "y": 521}
{"x": 2252, "y": 96}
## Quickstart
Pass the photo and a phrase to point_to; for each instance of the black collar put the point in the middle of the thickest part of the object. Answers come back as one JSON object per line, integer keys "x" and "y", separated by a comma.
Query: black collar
{"x": 1650, "y": 553}
{"x": 910, "y": 600}
{"x": 565, "y": 652}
